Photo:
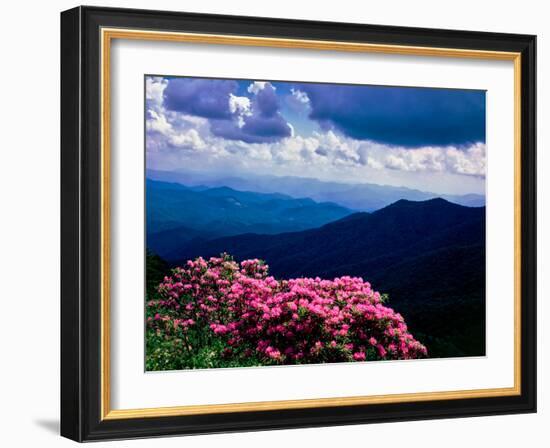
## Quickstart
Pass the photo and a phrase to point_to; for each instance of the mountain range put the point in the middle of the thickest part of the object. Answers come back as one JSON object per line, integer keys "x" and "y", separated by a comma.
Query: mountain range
{"x": 177, "y": 214}
{"x": 429, "y": 256}
{"x": 355, "y": 196}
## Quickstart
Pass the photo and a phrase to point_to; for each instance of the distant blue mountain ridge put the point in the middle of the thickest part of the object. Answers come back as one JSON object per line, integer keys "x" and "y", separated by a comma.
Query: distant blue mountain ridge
{"x": 177, "y": 214}
{"x": 366, "y": 197}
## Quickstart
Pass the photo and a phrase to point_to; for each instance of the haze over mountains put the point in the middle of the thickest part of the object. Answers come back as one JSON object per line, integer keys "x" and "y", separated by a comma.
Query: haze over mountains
{"x": 358, "y": 197}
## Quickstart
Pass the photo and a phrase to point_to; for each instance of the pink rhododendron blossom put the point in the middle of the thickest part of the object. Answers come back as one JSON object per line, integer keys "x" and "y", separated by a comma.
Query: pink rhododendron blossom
{"x": 302, "y": 320}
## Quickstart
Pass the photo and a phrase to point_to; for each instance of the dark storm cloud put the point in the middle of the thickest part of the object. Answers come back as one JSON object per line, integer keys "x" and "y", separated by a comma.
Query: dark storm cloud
{"x": 264, "y": 124}
{"x": 255, "y": 130}
{"x": 409, "y": 117}
{"x": 207, "y": 98}
{"x": 266, "y": 103}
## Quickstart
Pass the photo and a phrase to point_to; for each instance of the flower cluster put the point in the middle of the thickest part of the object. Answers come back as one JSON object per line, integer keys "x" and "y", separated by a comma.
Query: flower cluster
{"x": 303, "y": 320}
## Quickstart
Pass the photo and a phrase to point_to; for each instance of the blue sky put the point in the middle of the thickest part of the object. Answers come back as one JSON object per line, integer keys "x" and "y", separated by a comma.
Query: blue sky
{"x": 430, "y": 139}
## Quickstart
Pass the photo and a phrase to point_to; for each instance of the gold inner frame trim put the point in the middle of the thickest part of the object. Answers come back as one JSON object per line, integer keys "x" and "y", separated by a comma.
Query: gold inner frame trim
{"x": 107, "y": 35}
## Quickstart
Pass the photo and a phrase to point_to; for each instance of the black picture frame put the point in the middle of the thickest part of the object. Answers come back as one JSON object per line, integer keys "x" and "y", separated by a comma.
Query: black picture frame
{"x": 81, "y": 224}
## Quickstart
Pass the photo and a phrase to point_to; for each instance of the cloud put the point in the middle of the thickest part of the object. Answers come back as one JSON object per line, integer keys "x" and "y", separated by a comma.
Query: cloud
{"x": 207, "y": 98}
{"x": 239, "y": 104}
{"x": 157, "y": 122}
{"x": 240, "y": 107}
{"x": 233, "y": 117}
{"x": 257, "y": 86}
{"x": 299, "y": 96}
{"x": 173, "y": 132}
{"x": 409, "y": 117}
{"x": 168, "y": 130}
{"x": 266, "y": 102}
{"x": 189, "y": 139}
{"x": 331, "y": 149}
{"x": 469, "y": 160}
{"x": 253, "y": 129}
{"x": 259, "y": 121}
{"x": 154, "y": 90}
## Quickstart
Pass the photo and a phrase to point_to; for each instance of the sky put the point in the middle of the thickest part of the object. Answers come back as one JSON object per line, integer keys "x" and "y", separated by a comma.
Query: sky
{"x": 425, "y": 138}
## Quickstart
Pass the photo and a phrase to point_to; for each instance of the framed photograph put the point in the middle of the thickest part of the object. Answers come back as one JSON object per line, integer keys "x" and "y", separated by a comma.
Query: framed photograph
{"x": 276, "y": 224}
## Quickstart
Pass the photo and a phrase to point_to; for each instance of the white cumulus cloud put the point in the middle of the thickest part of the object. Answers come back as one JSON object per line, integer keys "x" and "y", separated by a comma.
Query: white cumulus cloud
{"x": 257, "y": 86}
{"x": 300, "y": 96}
{"x": 154, "y": 90}
{"x": 239, "y": 104}
{"x": 189, "y": 139}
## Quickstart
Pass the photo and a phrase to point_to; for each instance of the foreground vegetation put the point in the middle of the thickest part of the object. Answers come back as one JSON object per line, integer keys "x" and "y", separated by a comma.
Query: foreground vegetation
{"x": 220, "y": 313}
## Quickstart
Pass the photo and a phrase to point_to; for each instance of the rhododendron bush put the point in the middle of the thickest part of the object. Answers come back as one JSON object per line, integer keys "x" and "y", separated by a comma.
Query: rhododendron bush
{"x": 220, "y": 313}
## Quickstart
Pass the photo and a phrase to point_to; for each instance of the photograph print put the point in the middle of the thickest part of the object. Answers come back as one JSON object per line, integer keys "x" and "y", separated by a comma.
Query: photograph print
{"x": 294, "y": 223}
